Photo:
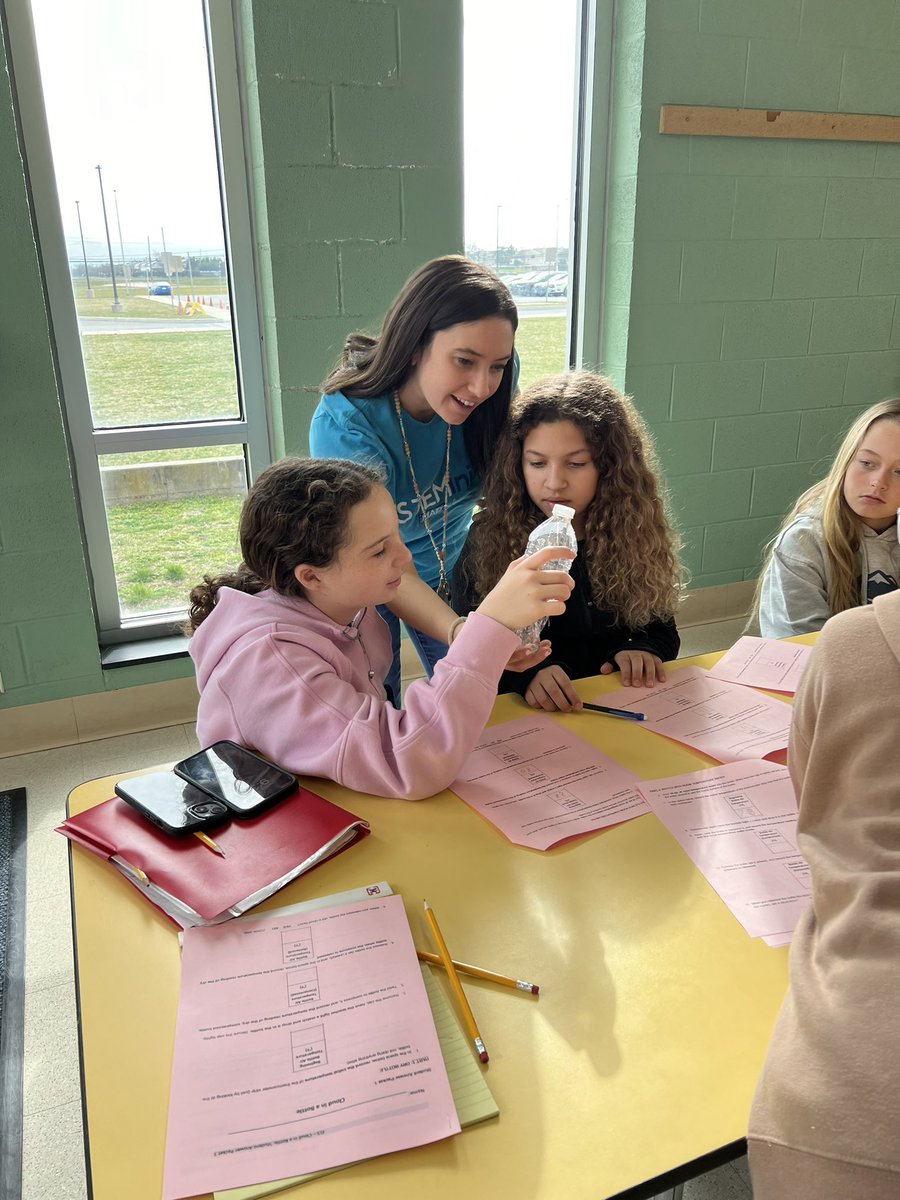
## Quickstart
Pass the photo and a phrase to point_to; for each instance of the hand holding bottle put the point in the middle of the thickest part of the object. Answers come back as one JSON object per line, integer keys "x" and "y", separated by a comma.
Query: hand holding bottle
{"x": 525, "y": 593}
{"x": 556, "y": 531}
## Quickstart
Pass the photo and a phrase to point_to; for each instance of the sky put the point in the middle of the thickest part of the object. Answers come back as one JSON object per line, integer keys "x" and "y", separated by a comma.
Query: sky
{"x": 519, "y": 120}
{"x": 126, "y": 87}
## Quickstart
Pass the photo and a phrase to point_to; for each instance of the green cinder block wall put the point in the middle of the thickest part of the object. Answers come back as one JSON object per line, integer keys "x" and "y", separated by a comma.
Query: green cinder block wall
{"x": 355, "y": 114}
{"x": 762, "y": 307}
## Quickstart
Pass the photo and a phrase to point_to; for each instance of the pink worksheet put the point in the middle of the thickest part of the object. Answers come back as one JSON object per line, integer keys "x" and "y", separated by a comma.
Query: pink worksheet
{"x": 539, "y": 784}
{"x": 763, "y": 663}
{"x": 738, "y": 824}
{"x": 724, "y": 720}
{"x": 303, "y": 1042}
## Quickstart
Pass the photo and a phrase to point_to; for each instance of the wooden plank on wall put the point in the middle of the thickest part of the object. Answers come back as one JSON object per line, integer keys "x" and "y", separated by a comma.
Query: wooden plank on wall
{"x": 777, "y": 123}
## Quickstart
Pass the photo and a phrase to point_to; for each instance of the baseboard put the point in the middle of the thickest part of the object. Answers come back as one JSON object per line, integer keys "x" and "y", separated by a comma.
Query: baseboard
{"x": 722, "y": 603}
{"x": 155, "y": 705}
{"x": 33, "y": 727}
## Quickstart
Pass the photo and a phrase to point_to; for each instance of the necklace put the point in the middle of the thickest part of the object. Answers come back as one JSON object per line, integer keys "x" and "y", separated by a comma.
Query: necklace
{"x": 443, "y": 589}
{"x": 354, "y": 633}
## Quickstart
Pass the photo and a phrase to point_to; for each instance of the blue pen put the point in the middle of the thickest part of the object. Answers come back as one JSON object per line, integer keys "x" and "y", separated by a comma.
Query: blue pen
{"x": 614, "y": 712}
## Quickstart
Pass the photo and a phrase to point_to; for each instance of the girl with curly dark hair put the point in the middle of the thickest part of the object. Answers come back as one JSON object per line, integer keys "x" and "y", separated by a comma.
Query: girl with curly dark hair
{"x": 574, "y": 439}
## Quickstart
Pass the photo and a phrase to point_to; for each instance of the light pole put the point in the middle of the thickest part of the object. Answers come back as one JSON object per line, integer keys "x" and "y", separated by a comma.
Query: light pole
{"x": 149, "y": 265}
{"x": 165, "y": 257}
{"x": 121, "y": 247}
{"x": 497, "y": 241}
{"x": 117, "y": 303}
{"x": 87, "y": 277}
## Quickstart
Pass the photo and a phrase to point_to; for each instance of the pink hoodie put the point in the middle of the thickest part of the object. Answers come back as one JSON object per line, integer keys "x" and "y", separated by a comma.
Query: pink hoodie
{"x": 276, "y": 674}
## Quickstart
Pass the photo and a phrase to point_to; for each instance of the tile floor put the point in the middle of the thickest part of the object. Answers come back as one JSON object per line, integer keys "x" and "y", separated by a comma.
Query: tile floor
{"x": 53, "y": 1161}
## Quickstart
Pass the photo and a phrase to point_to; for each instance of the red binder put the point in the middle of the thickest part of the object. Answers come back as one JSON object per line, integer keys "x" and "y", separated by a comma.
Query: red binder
{"x": 194, "y": 886}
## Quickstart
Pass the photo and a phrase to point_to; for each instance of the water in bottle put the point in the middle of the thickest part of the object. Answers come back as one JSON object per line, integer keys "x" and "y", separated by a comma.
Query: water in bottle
{"x": 555, "y": 531}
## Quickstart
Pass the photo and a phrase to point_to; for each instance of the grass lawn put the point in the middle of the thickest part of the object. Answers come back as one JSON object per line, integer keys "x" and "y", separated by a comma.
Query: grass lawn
{"x": 135, "y": 304}
{"x": 144, "y": 378}
{"x": 541, "y": 343}
{"x": 161, "y": 549}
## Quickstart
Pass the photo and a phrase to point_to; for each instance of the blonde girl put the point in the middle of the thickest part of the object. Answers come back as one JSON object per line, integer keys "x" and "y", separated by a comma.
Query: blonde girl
{"x": 574, "y": 439}
{"x": 838, "y": 546}
{"x": 291, "y": 654}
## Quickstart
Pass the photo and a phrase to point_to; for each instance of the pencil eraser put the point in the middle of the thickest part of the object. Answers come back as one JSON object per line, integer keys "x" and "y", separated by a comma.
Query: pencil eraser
{"x": 534, "y": 989}
{"x": 483, "y": 1056}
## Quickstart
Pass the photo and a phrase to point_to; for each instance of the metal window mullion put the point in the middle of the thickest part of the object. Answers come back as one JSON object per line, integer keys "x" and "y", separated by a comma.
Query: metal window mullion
{"x": 591, "y": 172}
{"x": 169, "y": 437}
{"x": 222, "y": 24}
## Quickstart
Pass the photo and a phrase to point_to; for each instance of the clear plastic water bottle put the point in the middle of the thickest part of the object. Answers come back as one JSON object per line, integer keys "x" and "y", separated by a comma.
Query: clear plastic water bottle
{"x": 555, "y": 531}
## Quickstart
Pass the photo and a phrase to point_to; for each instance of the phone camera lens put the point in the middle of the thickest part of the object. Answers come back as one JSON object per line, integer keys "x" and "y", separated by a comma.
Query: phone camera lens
{"x": 209, "y": 808}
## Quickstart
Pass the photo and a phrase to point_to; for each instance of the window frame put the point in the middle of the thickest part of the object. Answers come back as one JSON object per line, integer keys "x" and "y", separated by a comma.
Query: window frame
{"x": 591, "y": 160}
{"x": 251, "y": 429}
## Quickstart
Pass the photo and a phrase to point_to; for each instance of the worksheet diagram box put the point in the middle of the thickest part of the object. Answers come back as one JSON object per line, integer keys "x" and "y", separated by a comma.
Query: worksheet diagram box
{"x": 531, "y": 772}
{"x": 798, "y": 869}
{"x": 297, "y": 945}
{"x": 303, "y": 986}
{"x": 742, "y": 806}
{"x": 564, "y": 798}
{"x": 506, "y": 753}
{"x": 775, "y": 841}
{"x": 309, "y": 1048}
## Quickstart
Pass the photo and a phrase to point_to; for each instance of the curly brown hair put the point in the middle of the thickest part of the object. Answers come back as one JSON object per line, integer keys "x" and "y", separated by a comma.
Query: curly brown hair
{"x": 629, "y": 545}
{"x": 296, "y": 512}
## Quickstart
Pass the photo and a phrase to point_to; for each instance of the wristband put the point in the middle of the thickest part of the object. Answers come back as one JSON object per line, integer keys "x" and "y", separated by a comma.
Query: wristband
{"x": 454, "y": 629}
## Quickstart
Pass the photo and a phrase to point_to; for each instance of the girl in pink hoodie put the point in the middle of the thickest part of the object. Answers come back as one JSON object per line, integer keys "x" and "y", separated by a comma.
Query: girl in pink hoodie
{"x": 291, "y": 655}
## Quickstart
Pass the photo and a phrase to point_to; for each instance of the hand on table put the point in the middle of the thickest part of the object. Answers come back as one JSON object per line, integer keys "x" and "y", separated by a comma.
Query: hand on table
{"x": 552, "y": 690}
{"x": 639, "y": 668}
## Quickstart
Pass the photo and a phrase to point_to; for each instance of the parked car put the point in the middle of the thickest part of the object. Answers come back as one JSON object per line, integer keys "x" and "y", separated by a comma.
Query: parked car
{"x": 538, "y": 285}
{"x": 520, "y": 283}
{"x": 558, "y": 285}
{"x": 159, "y": 289}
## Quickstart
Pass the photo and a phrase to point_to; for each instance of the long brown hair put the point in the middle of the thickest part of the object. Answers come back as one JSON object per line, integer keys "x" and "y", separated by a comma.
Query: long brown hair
{"x": 298, "y": 511}
{"x": 629, "y": 544}
{"x": 841, "y": 527}
{"x": 445, "y": 292}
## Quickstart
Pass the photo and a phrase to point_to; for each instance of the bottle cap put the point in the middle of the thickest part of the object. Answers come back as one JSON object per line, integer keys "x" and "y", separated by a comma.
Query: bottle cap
{"x": 562, "y": 510}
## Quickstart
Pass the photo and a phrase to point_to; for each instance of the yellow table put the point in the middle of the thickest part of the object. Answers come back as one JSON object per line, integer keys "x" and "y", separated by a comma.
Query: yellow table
{"x": 634, "y": 1068}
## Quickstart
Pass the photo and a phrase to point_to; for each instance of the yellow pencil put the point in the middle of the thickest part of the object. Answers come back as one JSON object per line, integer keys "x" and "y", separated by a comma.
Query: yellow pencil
{"x": 479, "y": 972}
{"x": 447, "y": 962}
{"x": 207, "y": 841}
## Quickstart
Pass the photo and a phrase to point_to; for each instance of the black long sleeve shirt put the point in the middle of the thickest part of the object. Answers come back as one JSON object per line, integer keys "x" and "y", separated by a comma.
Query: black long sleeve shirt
{"x": 583, "y": 638}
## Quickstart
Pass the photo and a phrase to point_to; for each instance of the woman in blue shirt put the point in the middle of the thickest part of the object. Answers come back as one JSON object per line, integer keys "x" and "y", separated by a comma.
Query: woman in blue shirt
{"x": 424, "y": 402}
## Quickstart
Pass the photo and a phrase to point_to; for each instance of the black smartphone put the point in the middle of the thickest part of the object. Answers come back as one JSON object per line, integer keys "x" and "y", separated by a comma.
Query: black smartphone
{"x": 170, "y": 803}
{"x": 242, "y": 780}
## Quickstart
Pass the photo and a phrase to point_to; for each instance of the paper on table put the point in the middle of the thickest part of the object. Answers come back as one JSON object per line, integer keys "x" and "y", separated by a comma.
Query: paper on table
{"x": 723, "y": 720}
{"x": 763, "y": 663}
{"x": 738, "y": 824}
{"x": 471, "y": 1094}
{"x": 539, "y": 784}
{"x": 778, "y": 939}
{"x": 302, "y": 1042}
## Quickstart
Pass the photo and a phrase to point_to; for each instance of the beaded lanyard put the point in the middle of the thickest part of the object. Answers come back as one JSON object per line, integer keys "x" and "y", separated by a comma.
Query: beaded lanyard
{"x": 443, "y": 589}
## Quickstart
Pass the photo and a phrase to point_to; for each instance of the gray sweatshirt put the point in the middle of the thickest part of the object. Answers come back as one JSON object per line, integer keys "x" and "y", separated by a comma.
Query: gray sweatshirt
{"x": 794, "y": 595}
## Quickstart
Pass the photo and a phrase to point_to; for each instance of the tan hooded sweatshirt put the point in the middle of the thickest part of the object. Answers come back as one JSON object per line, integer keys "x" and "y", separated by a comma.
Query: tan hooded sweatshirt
{"x": 830, "y": 1085}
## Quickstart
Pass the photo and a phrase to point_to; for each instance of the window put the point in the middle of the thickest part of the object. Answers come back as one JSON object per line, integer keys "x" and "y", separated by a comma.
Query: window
{"x": 521, "y": 70}
{"x": 130, "y": 116}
